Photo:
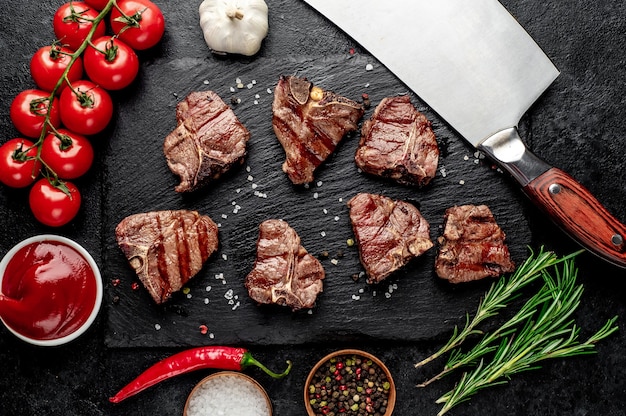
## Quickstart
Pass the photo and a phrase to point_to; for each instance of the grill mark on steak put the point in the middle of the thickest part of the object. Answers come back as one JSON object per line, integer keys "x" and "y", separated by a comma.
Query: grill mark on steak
{"x": 284, "y": 273}
{"x": 472, "y": 246}
{"x": 309, "y": 123}
{"x": 389, "y": 234}
{"x": 207, "y": 142}
{"x": 398, "y": 142}
{"x": 166, "y": 248}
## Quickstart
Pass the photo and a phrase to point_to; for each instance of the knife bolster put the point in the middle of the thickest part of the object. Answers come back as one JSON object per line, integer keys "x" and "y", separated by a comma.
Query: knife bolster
{"x": 508, "y": 150}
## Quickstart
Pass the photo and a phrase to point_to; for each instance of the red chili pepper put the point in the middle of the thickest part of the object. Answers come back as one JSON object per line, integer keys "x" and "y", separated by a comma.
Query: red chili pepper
{"x": 224, "y": 358}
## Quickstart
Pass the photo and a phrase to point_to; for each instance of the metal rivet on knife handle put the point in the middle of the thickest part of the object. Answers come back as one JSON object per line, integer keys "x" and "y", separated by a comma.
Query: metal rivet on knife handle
{"x": 617, "y": 240}
{"x": 555, "y": 188}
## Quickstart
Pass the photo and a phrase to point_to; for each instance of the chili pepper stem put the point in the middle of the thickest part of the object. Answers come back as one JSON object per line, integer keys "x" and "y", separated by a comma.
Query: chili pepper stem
{"x": 248, "y": 360}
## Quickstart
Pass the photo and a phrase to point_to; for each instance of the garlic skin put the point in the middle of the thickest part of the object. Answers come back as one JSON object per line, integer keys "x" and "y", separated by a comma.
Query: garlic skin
{"x": 234, "y": 26}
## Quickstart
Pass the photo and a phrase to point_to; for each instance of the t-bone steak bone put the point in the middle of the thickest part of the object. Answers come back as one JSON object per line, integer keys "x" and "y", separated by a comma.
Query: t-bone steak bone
{"x": 207, "y": 142}
{"x": 472, "y": 246}
{"x": 284, "y": 273}
{"x": 398, "y": 143}
{"x": 389, "y": 233}
{"x": 167, "y": 248}
{"x": 309, "y": 123}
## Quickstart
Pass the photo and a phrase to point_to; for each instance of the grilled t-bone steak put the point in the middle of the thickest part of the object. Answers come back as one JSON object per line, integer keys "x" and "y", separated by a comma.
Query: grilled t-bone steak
{"x": 166, "y": 248}
{"x": 284, "y": 273}
{"x": 472, "y": 246}
{"x": 389, "y": 233}
{"x": 398, "y": 143}
{"x": 309, "y": 123}
{"x": 207, "y": 142}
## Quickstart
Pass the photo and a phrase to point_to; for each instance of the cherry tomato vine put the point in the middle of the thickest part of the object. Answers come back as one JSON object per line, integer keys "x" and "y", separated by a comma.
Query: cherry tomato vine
{"x": 66, "y": 99}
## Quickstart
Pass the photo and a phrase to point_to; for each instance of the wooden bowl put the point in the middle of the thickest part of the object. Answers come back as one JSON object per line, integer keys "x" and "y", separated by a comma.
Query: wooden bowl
{"x": 219, "y": 379}
{"x": 391, "y": 399}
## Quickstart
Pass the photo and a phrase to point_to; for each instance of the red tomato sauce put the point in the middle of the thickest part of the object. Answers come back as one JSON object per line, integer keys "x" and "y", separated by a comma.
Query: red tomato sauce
{"x": 48, "y": 291}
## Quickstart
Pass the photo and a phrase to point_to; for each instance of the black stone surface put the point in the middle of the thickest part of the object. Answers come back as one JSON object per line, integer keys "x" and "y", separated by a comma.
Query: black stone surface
{"x": 577, "y": 125}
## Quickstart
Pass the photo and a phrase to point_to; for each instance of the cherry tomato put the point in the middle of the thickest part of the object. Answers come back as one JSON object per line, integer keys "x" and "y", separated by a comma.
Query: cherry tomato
{"x": 97, "y": 4}
{"x": 85, "y": 108}
{"x": 48, "y": 64}
{"x": 111, "y": 63}
{"x": 18, "y": 169}
{"x": 73, "y": 21}
{"x": 28, "y": 112}
{"x": 53, "y": 206}
{"x": 68, "y": 154}
{"x": 144, "y": 25}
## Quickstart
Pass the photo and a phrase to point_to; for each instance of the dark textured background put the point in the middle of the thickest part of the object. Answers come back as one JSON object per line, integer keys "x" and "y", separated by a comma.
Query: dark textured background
{"x": 577, "y": 125}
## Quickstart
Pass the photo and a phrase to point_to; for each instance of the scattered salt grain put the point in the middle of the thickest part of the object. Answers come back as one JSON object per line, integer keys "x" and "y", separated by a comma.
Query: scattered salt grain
{"x": 316, "y": 195}
{"x": 236, "y": 305}
{"x": 250, "y": 85}
{"x": 387, "y": 295}
{"x": 224, "y": 216}
{"x": 205, "y": 82}
{"x": 355, "y": 297}
{"x": 225, "y": 257}
{"x": 323, "y": 233}
{"x": 227, "y": 395}
{"x": 336, "y": 218}
{"x": 211, "y": 335}
{"x": 319, "y": 183}
{"x": 206, "y": 301}
{"x": 269, "y": 91}
{"x": 335, "y": 261}
{"x": 250, "y": 178}
{"x": 466, "y": 157}
{"x": 369, "y": 67}
{"x": 232, "y": 89}
{"x": 257, "y": 96}
{"x": 325, "y": 211}
{"x": 157, "y": 327}
{"x": 461, "y": 182}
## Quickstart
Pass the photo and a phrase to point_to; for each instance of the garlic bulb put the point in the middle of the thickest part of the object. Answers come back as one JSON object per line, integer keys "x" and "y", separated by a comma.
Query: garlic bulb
{"x": 234, "y": 26}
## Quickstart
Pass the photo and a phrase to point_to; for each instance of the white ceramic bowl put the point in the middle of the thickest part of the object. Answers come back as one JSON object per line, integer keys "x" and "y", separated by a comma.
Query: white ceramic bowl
{"x": 96, "y": 272}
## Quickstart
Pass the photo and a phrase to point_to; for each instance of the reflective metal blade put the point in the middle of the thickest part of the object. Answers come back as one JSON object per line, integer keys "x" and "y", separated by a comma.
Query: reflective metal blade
{"x": 470, "y": 61}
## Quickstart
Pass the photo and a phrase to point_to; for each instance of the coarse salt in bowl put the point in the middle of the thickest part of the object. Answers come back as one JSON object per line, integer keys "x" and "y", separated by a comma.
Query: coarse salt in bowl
{"x": 70, "y": 315}
{"x": 228, "y": 393}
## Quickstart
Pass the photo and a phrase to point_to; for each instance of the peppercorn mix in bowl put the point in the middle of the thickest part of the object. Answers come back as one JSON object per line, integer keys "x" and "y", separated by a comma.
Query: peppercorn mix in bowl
{"x": 349, "y": 382}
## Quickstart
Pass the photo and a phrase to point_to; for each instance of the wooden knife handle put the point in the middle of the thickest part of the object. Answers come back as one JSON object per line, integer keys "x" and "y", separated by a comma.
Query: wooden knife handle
{"x": 580, "y": 214}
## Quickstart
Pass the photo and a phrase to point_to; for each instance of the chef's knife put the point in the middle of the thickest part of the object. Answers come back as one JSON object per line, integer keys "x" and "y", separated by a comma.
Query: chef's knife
{"x": 479, "y": 70}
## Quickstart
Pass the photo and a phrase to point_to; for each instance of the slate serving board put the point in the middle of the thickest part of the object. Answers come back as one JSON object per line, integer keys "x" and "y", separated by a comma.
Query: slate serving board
{"x": 412, "y": 305}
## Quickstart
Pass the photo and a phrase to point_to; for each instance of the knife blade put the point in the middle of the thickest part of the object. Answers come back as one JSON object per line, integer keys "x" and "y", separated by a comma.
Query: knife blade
{"x": 479, "y": 70}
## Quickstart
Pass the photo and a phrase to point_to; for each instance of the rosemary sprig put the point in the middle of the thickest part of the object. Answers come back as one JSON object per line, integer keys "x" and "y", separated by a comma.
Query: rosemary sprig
{"x": 486, "y": 344}
{"x": 548, "y": 332}
{"x": 500, "y": 294}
